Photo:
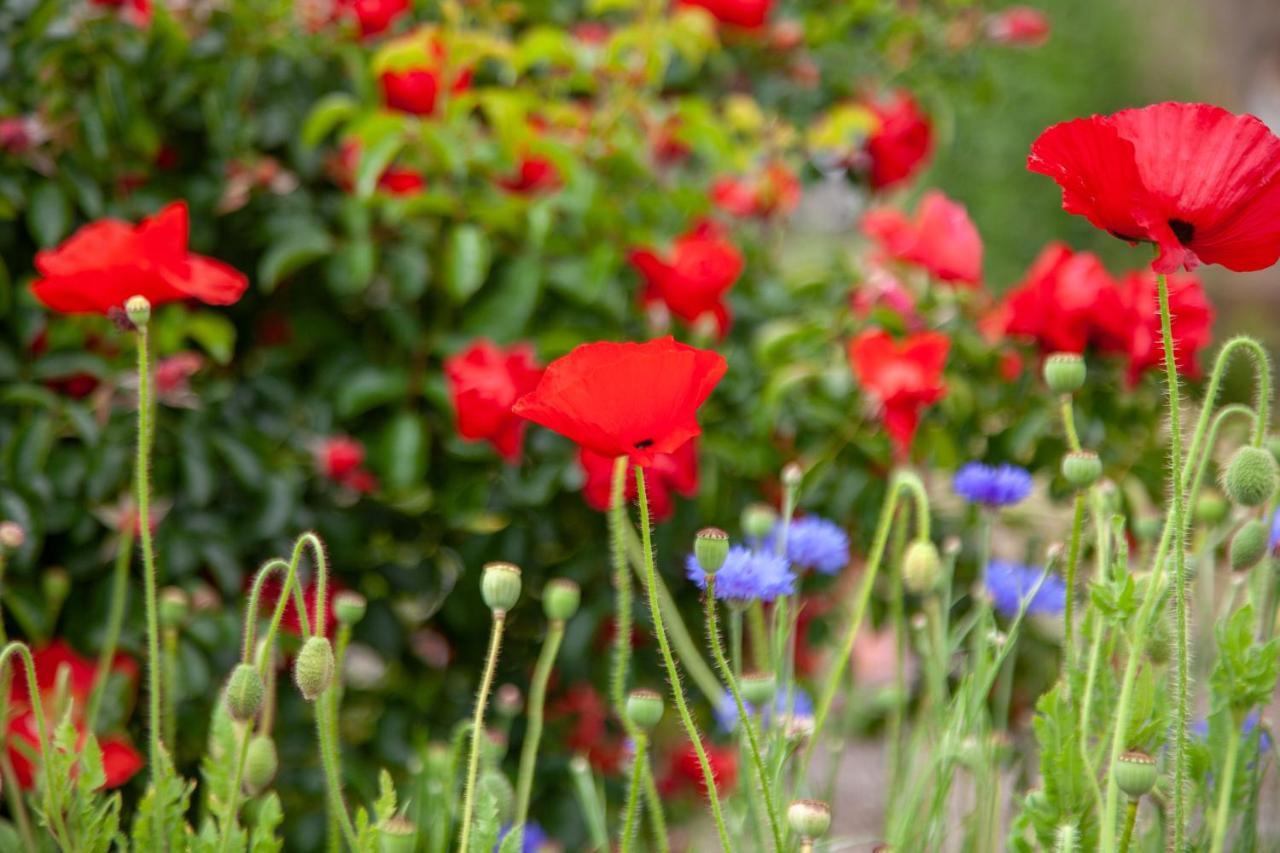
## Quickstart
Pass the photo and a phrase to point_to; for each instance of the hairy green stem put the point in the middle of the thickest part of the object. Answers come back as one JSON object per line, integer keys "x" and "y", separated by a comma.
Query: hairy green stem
{"x": 633, "y": 793}
{"x": 622, "y": 601}
{"x": 1222, "y": 814}
{"x": 1130, "y": 818}
{"x": 327, "y": 732}
{"x": 1069, "y": 423}
{"x": 13, "y": 793}
{"x": 477, "y": 729}
{"x": 1073, "y": 564}
{"x": 653, "y": 808}
{"x": 115, "y": 621}
{"x": 52, "y": 812}
{"x": 533, "y": 733}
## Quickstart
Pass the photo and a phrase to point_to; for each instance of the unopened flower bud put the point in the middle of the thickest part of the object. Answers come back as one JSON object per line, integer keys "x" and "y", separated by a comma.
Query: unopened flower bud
{"x": 758, "y": 520}
{"x": 508, "y": 701}
{"x": 397, "y": 834}
{"x": 758, "y": 688}
{"x": 244, "y": 692}
{"x": 1249, "y": 544}
{"x": 711, "y": 549}
{"x": 11, "y": 535}
{"x": 809, "y": 818}
{"x": 1082, "y": 468}
{"x": 174, "y": 606}
{"x": 1136, "y": 774}
{"x": 139, "y": 310}
{"x": 313, "y": 668}
{"x": 921, "y": 567}
{"x": 792, "y": 475}
{"x": 1250, "y": 479}
{"x": 1211, "y": 508}
{"x": 1064, "y": 372}
{"x": 644, "y": 708}
{"x": 260, "y": 765}
{"x": 560, "y": 599}
{"x": 500, "y": 586}
{"x": 349, "y": 607}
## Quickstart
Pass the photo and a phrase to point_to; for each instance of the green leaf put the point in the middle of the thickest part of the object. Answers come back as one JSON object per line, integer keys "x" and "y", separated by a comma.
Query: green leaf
{"x": 290, "y": 254}
{"x": 215, "y": 333}
{"x": 403, "y": 462}
{"x": 374, "y": 160}
{"x": 502, "y": 312}
{"x": 351, "y": 268}
{"x": 49, "y": 214}
{"x": 368, "y": 387}
{"x": 325, "y": 116}
{"x": 467, "y": 256}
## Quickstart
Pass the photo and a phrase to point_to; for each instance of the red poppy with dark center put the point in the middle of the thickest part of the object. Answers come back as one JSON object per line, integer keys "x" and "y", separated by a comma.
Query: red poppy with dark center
{"x": 942, "y": 239}
{"x": 625, "y": 399}
{"x": 533, "y": 174}
{"x": 375, "y": 17}
{"x": 1068, "y": 302}
{"x": 903, "y": 377}
{"x": 1199, "y": 182}
{"x": 484, "y": 382}
{"x": 417, "y": 90}
{"x": 670, "y": 473}
{"x": 901, "y": 142}
{"x": 1191, "y": 317}
{"x": 104, "y": 263}
{"x": 120, "y": 760}
{"x": 743, "y": 14}
{"x": 774, "y": 191}
{"x": 684, "y": 771}
{"x": 694, "y": 278}
{"x": 1019, "y": 25}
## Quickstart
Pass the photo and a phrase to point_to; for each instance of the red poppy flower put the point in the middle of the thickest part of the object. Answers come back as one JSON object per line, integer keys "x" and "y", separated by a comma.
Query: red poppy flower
{"x": 775, "y": 191}
{"x": 743, "y": 14}
{"x": 417, "y": 90}
{"x": 484, "y": 382}
{"x": 104, "y": 263}
{"x": 670, "y": 472}
{"x": 340, "y": 458}
{"x": 693, "y": 279}
{"x": 901, "y": 143}
{"x": 289, "y": 622}
{"x": 903, "y": 377}
{"x": 534, "y": 174}
{"x": 375, "y": 17}
{"x": 883, "y": 289}
{"x": 942, "y": 239}
{"x": 1190, "y": 314}
{"x": 1019, "y": 25}
{"x": 173, "y": 377}
{"x": 1067, "y": 303}
{"x": 668, "y": 147}
{"x": 684, "y": 771}
{"x": 136, "y": 12}
{"x": 1200, "y": 183}
{"x": 589, "y": 732}
{"x": 628, "y": 399}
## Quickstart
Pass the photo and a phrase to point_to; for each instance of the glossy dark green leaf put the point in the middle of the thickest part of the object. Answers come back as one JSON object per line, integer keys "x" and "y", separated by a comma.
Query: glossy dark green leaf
{"x": 48, "y": 214}
{"x": 467, "y": 256}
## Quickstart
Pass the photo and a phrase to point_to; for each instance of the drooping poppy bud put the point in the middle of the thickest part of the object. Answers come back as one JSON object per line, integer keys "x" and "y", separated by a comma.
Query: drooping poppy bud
{"x": 245, "y": 691}
{"x": 1250, "y": 479}
{"x": 313, "y": 669}
{"x": 1249, "y": 545}
{"x": 260, "y": 765}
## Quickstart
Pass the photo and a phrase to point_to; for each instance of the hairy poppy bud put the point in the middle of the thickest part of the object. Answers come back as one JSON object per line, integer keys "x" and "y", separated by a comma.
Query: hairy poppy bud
{"x": 1064, "y": 372}
{"x": 494, "y": 783}
{"x": 397, "y": 834}
{"x": 244, "y": 692}
{"x": 349, "y": 607}
{"x": 560, "y": 599}
{"x": 758, "y": 688}
{"x": 139, "y": 310}
{"x": 1082, "y": 468}
{"x": 1249, "y": 544}
{"x": 1251, "y": 476}
{"x": 500, "y": 586}
{"x": 644, "y": 708}
{"x": 260, "y": 765}
{"x": 313, "y": 669}
{"x": 921, "y": 567}
{"x": 174, "y": 605}
{"x": 12, "y": 535}
{"x": 758, "y": 520}
{"x": 1136, "y": 774}
{"x": 711, "y": 548}
{"x": 1211, "y": 508}
{"x": 809, "y": 818}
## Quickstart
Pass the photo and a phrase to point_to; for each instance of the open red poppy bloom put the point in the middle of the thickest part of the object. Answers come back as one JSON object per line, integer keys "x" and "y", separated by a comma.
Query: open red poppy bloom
{"x": 417, "y": 90}
{"x": 670, "y": 473}
{"x": 684, "y": 771}
{"x": 484, "y": 382}
{"x": 120, "y": 760}
{"x": 1190, "y": 314}
{"x": 943, "y": 239}
{"x": 104, "y": 263}
{"x": 903, "y": 377}
{"x": 774, "y": 191}
{"x": 1019, "y": 25}
{"x": 693, "y": 279}
{"x": 628, "y": 399}
{"x": 375, "y": 17}
{"x": 743, "y": 14}
{"x": 901, "y": 143}
{"x": 1068, "y": 302}
{"x": 1201, "y": 183}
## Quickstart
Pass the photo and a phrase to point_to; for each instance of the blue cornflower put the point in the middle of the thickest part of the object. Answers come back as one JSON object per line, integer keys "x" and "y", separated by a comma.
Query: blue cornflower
{"x": 747, "y": 575}
{"x": 1275, "y": 530}
{"x": 799, "y": 706}
{"x": 992, "y": 485}
{"x": 1009, "y": 583}
{"x": 1200, "y": 729}
{"x": 813, "y": 543}
{"x": 535, "y": 838}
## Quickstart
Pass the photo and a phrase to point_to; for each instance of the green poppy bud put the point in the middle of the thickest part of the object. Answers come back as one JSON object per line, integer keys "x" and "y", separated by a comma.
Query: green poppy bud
{"x": 921, "y": 567}
{"x": 560, "y": 599}
{"x": 174, "y": 606}
{"x": 758, "y": 520}
{"x": 349, "y": 607}
{"x": 500, "y": 586}
{"x": 1082, "y": 468}
{"x": 711, "y": 549}
{"x": 245, "y": 691}
{"x": 397, "y": 835}
{"x": 809, "y": 818}
{"x": 139, "y": 310}
{"x": 758, "y": 688}
{"x": 1211, "y": 508}
{"x": 1064, "y": 372}
{"x": 494, "y": 783}
{"x": 313, "y": 668}
{"x": 1136, "y": 774}
{"x": 1249, "y": 544}
{"x": 644, "y": 708}
{"x": 260, "y": 765}
{"x": 1250, "y": 479}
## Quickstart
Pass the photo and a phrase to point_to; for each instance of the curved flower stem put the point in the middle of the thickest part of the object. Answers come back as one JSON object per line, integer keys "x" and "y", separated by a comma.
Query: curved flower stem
{"x": 115, "y": 620}
{"x": 327, "y": 730}
{"x": 622, "y": 601}
{"x": 673, "y": 672}
{"x": 13, "y": 793}
{"x": 53, "y": 814}
{"x": 1069, "y": 423}
{"x": 744, "y": 719}
{"x": 1222, "y": 814}
{"x": 1130, "y": 818}
{"x": 477, "y": 729}
{"x": 633, "y": 793}
{"x": 533, "y": 734}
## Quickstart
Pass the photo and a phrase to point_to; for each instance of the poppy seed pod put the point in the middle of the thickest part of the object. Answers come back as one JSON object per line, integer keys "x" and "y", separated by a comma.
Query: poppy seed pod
{"x": 349, "y": 607}
{"x": 1250, "y": 479}
{"x": 1211, "y": 508}
{"x": 139, "y": 310}
{"x": 921, "y": 567}
{"x": 397, "y": 834}
{"x": 313, "y": 669}
{"x": 711, "y": 549}
{"x": 644, "y": 708}
{"x": 758, "y": 520}
{"x": 500, "y": 586}
{"x": 560, "y": 599}
{"x": 1249, "y": 544}
{"x": 809, "y": 818}
{"x": 1136, "y": 774}
{"x": 245, "y": 691}
{"x": 758, "y": 687}
{"x": 174, "y": 605}
{"x": 260, "y": 765}
{"x": 1082, "y": 468}
{"x": 1064, "y": 372}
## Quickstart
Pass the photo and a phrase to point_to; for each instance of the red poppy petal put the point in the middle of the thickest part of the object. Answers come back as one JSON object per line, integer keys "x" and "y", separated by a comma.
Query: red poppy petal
{"x": 213, "y": 282}
{"x": 120, "y": 761}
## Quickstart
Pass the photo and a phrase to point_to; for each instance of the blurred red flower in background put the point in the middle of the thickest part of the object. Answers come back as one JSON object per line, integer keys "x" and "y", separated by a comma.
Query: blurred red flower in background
{"x": 417, "y": 90}
{"x": 775, "y": 190}
{"x": 1199, "y": 182}
{"x": 290, "y": 622}
{"x": 104, "y": 263}
{"x": 374, "y": 17}
{"x": 1019, "y": 25}
{"x": 669, "y": 473}
{"x": 136, "y": 12}
{"x": 693, "y": 279}
{"x": 903, "y": 377}
{"x": 1190, "y": 314}
{"x": 484, "y": 382}
{"x": 1066, "y": 303}
{"x": 901, "y": 143}
{"x": 341, "y": 459}
{"x": 684, "y": 772}
{"x": 627, "y": 399}
{"x": 942, "y": 239}
{"x": 534, "y": 174}
{"x": 395, "y": 180}
{"x": 743, "y": 14}
{"x": 589, "y": 734}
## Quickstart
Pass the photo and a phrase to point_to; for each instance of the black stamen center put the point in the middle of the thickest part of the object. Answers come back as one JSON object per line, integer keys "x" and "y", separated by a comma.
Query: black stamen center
{"x": 1183, "y": 230}
{"x": 642, "y": 445}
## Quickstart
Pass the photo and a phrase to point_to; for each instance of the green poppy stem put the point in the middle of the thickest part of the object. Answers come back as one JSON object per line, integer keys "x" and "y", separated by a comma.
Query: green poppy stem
{"x": 633, "y": 793}
{"x": 477, "y": 730}
{"x": 115, "y": 621}
{"x": 533, "y": 734}
{"x": 1226, "y": 782}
